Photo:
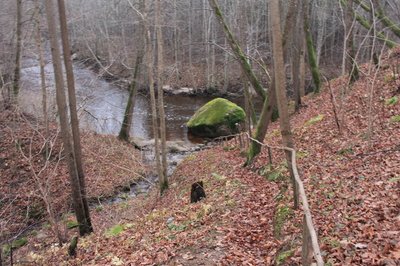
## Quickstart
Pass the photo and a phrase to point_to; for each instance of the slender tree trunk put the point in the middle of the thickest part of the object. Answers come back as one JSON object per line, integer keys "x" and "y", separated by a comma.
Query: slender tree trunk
{"x": 297, "y": 57}
{"x": 87, "y": 227}
{"x": 124, "y": 133}
{"x": 367, "y": 25}
{"x": 246, "y": 68}
{"x": 17, "y": 67}
{"x": 289, "y": 26}
{"x": 379, "y": 13}
{"x": 150, "y": 65}
{"x": 78, "y": 202}
{"x": 191, "y": 41}
{"x": 176, "y": 42}
{"x": 160, "y": 69}
{"x": 321, "y": 28}
{"x": 312, "y": 59}
{"x": 302, "y": 69}
{"x": 280, "y": 89}
{"x": 262, "y": 125}
{"x": 42, "y": 76}
{"x": 238, "y": 51}
{"x": 350, "y": 65}
{"x": 251, "y": 113}
{"x": 212, "y": 41}
{"x": 269, "y": 106}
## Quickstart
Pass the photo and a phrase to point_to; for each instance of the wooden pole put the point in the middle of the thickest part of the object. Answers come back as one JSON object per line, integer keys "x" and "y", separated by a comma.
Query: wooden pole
{"x": 306, "y": 207}
{"x": 307, "y": 250}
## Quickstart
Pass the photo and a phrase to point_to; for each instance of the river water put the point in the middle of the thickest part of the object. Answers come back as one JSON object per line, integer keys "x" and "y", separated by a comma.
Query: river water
{"x": 101, "y": 107}
{"x": 101, "y": 104}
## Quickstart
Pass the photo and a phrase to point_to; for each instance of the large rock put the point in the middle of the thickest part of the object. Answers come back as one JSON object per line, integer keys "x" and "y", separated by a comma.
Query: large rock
{"x": 218, "y": 117}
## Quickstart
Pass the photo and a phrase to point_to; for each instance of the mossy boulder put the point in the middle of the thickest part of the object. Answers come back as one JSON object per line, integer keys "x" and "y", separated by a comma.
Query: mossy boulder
{"x": 216, "y": 118}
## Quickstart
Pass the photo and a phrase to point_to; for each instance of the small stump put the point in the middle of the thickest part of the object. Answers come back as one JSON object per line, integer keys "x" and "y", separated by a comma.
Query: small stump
{"x": 197, "y": 193}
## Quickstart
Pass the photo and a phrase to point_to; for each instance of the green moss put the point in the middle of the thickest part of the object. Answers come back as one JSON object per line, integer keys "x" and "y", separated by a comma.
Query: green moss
{"x": 14, "y": 245}
{"x": 395, "y": 119}
{"x": 283, "y": 256}
{"x": 275, "y": 114}
{"x": 229, "y": 148}
{"x": 334, "y": 243}
{"x": 301, "y": 154}
{"x": 272, "y": 173}
{"x": 115, "y": 230}
{"x": 281, "y": 215}
{"x": 346, "y": 151}
{"x": 314, "y": 120}
{"x": 72, "y": 224}
{"x": 35, "y": 211}
{"x": 230, "y": 203}
{"x": 163, "y": 186}
{"x": 217, "y": 117}
{"x": 218, "y": 177}
{"x": 390, "y": 77}
{"x": 177, "y": 227}
{"x": 391, "y": 101}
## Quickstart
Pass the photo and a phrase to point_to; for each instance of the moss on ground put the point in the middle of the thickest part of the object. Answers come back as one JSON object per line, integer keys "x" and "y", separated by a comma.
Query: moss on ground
{"x": 281, "y": 216}
{"x": 14, "y": 245}
{"x": 283, "y": 256}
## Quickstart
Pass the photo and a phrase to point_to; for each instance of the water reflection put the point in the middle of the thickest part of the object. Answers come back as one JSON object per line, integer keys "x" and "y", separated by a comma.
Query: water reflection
{"x": 101, "y": 104}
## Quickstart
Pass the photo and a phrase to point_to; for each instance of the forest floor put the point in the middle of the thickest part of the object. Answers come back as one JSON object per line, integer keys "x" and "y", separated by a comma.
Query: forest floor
{"x": 110, "y": 166}
{"x": 352, "y": 181}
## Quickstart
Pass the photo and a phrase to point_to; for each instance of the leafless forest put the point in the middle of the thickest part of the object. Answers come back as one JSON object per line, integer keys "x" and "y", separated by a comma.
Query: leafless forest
{"x": 197, "y": 54}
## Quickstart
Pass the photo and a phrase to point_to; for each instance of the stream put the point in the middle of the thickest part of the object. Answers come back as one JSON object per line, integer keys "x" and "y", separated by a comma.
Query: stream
{"x": 101, "y": 107}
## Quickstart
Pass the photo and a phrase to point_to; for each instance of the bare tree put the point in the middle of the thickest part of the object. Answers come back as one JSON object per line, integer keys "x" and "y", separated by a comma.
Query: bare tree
{"x": 312, "y": 58}
{"x": 124, "y": 133}
{"x": 154, "y": 115}
{"x": 280, "y": 89}
{"x": 81, "y": 211}
{"x": 76, "y": 139}
{"x": 42, "y": 73}
{"x": 161, "y": 112}
{"x": 349, "y": 61}
{"x": 17, "y": 67}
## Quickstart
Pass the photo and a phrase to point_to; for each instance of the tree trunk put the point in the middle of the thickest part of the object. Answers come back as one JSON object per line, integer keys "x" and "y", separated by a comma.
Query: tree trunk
{"x": 321, "y": 29}
{"x": 124, "y": 133}
{"x": 350, "y": 65}
{"x": 18, "y": 48}
{"x": 262, "y": 125}
{"x": 302, "y": 69}
{"x": 42, "y": 76}
{"x": 80, "y": 210}
{"x": 160, "y": 68}
{"x": 312, "y": 58}
{"x": 381, "y": 15}
{"x": 176, "y": 43}
{"x": 191, "y": 41}
{"x": 87, "y": 227}
{"x": 150, "y": 65}
{"x": 297, "y": 57}
{"x": 380, "y": 36}
{"x": 238, "y": 51}
{"x": 280, "y": 89}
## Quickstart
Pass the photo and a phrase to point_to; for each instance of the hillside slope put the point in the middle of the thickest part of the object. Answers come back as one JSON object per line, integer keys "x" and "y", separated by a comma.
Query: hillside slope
{"x": 352, "y": 181}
